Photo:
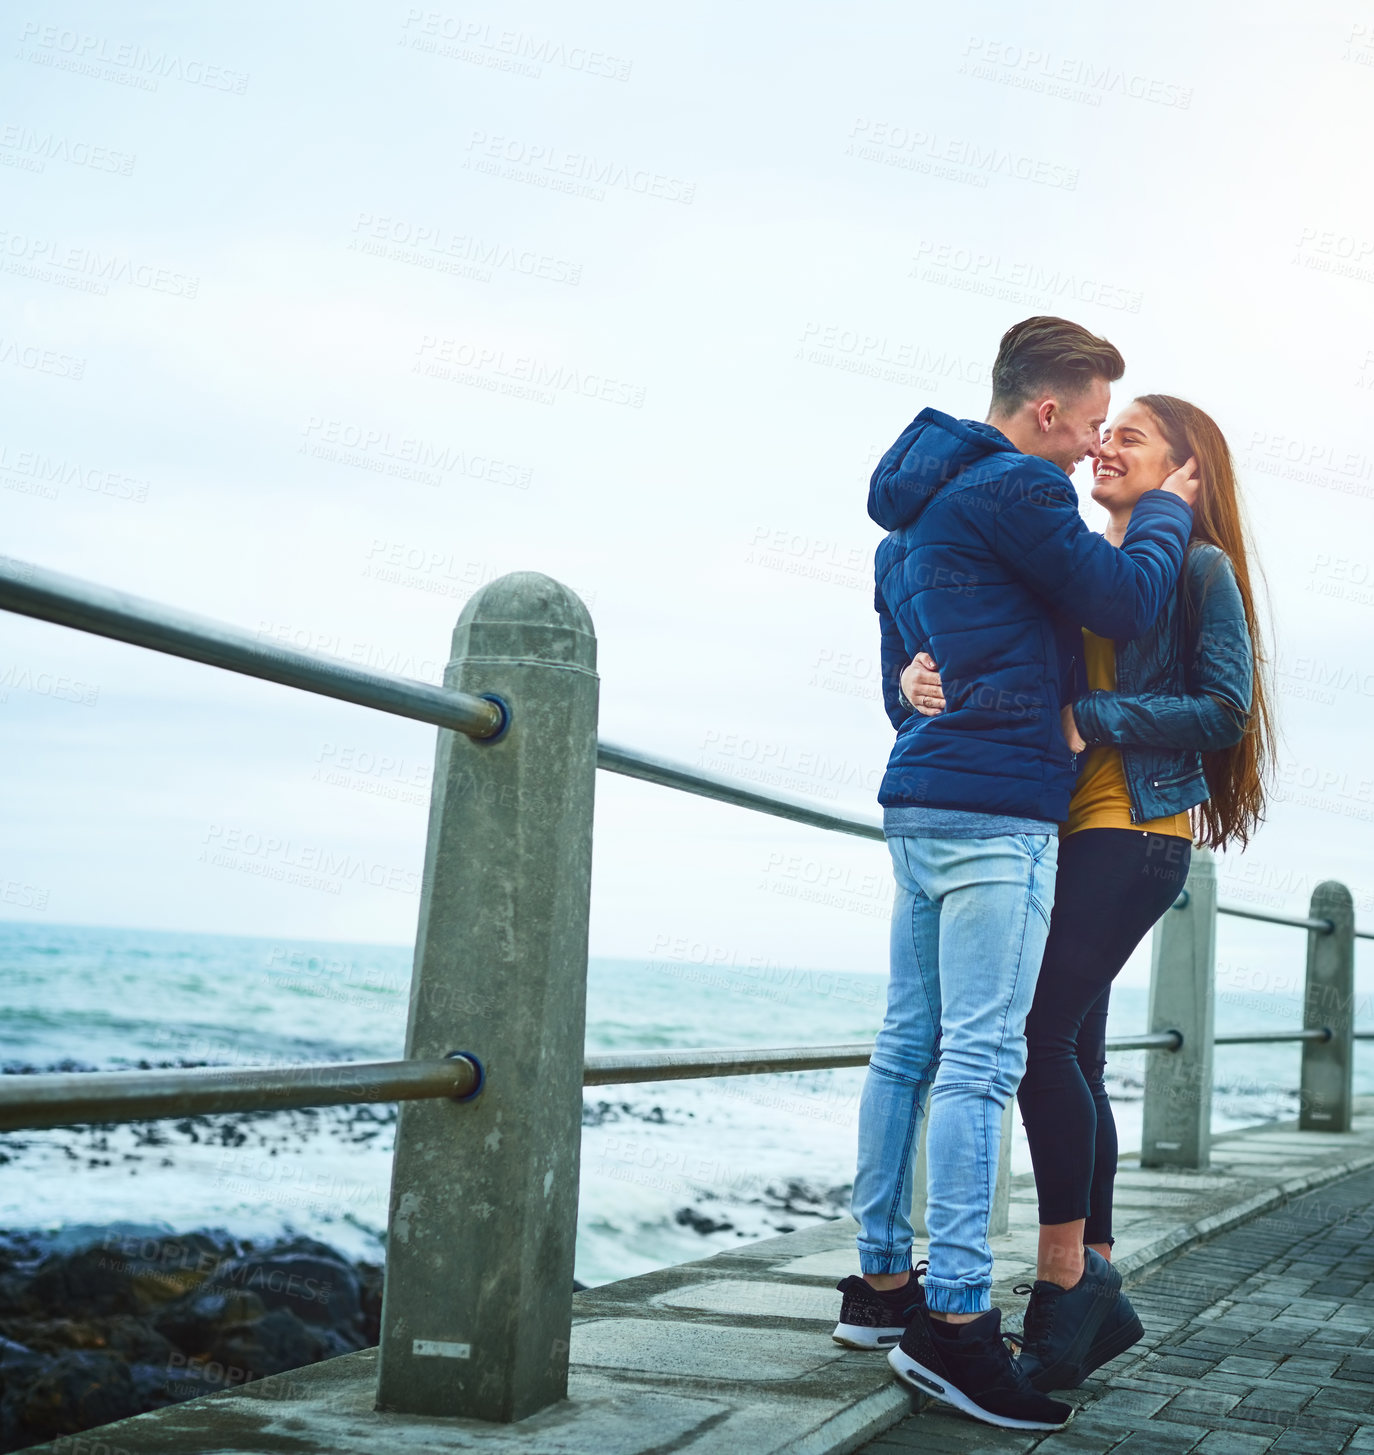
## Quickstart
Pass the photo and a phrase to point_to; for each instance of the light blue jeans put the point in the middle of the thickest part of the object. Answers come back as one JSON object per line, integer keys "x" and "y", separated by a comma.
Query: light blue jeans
{"x": 968, "y": 930}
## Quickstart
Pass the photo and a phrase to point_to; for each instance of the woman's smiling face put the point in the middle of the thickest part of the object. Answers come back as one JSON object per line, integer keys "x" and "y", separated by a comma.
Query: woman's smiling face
{"x": 1134, "y": 458}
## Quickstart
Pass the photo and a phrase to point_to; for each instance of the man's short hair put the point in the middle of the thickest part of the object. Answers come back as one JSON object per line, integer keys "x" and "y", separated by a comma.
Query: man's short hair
{"x": 1046, "y": 355}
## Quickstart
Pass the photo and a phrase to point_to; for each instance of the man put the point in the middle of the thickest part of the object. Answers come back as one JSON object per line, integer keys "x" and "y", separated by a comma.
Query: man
{"x": 989, "y": 568}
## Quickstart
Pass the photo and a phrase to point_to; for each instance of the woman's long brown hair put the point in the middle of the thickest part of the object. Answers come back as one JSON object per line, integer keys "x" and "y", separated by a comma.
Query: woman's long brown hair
{"x": 1236, "y": 776}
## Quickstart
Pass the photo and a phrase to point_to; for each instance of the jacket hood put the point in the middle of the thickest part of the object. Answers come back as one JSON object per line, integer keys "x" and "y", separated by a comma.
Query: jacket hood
{"x": 930, "y": 452}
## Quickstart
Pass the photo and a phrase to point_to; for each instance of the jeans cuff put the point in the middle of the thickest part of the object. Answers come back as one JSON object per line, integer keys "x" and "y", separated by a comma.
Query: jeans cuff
{"x": 872, "y": 1262}
{"x": 957, "y": 1298}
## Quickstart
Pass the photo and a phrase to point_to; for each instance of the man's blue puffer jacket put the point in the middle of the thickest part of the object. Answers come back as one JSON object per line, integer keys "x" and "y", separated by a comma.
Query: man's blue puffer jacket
{"x": 988, "y": 566}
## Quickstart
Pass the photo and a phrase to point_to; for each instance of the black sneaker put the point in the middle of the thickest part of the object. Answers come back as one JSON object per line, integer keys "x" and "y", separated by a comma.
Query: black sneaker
{"x": 1069, "y": 1332}
{"x": 973, "y": 1372}
{"x": 873, "y": 1320}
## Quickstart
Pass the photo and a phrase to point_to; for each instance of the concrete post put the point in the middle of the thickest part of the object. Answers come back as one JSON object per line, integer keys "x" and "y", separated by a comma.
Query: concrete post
{"x": 483, "y": 1216}
{"x": 1329, "y": 1001}
{"x": 1001, "y": 1197}
{"x": 1177, "y": 1118}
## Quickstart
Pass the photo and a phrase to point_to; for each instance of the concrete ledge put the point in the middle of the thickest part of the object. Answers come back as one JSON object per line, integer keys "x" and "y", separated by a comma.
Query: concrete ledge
{"x": 732, "y": 1353}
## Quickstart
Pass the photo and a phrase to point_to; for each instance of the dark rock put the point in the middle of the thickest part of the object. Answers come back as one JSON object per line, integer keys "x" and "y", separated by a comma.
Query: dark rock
{"x": 700, "y": 1222}
{"x": 94, "y": 1332}
{"x": 276, "y": 1342}
{"x": 124, "y": 1274}
{"x": 160, "y": 1385}
{"x": 307, "y": 1278}
{"x": 802, "y": 1198}
{"x": 66, "y": 1393}
{"x": 370, "y": 1282}
{"x": 155, "y": 1385}
{"x": 194, "y": 1323}
{"x": 122, "y": 1334}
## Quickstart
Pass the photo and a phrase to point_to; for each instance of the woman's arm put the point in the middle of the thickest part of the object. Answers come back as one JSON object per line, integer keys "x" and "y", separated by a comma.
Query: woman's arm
{"x": 894, "y": 658}
{"x": 1219, "y": 671}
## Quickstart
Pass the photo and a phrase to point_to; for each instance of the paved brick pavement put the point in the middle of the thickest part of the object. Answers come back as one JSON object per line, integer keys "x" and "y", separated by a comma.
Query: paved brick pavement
{"x": 1260, "y": 1339}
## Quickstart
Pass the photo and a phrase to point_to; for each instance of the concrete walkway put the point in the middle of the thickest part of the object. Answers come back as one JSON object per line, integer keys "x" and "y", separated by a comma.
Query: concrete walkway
{"x": 733, "y": 1354}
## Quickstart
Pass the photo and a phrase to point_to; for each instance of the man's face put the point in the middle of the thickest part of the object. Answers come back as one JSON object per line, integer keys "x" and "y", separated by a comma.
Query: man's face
{"x": 1071, "y": 427}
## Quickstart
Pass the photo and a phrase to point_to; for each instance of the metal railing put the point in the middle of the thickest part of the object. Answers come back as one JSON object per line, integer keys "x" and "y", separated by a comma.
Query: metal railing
{"x": 107, "y": 1097}
{"x": 504, "y": 915}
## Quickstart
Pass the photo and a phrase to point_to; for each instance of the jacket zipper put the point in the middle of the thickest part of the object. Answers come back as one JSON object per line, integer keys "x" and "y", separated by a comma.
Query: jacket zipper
{"x": 1130, "y": 790}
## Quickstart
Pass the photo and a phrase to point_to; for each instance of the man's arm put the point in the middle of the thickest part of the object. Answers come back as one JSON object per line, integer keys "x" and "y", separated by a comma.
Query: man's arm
{"x": 1220, "y": 672}
{"x": 894, "y": 656}
{"x": 1037, "y": 533}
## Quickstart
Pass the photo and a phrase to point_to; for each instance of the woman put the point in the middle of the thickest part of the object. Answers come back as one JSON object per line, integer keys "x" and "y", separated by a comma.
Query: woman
{"x": 1175, "y": 736}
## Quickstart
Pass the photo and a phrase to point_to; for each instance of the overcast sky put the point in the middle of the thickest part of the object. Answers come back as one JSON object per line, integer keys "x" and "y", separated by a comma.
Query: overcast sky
{"x": 273, "y": 279}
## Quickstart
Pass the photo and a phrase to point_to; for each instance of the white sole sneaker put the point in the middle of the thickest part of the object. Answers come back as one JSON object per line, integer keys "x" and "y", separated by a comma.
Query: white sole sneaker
{"x": 919, "y": 1378}
{"x": 861, "y": 1336}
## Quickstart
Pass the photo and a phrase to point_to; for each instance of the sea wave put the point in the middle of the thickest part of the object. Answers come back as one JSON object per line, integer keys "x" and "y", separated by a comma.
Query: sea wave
{"x": 670, "y": 1170}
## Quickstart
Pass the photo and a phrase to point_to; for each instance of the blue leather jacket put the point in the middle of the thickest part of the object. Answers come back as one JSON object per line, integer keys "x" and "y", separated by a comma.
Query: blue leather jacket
{"x": 1182, "y": 688}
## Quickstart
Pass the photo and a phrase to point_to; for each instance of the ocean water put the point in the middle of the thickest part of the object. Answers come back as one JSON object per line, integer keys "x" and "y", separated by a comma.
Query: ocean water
{"x": 670, "y": 1170}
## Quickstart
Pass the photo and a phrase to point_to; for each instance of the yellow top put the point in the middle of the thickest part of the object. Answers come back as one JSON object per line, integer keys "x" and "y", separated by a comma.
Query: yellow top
{"x": 1100, "y": 798}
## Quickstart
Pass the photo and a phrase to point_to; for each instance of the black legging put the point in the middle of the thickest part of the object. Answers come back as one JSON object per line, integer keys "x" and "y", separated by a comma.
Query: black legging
{"x": 1110, "y": 887}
